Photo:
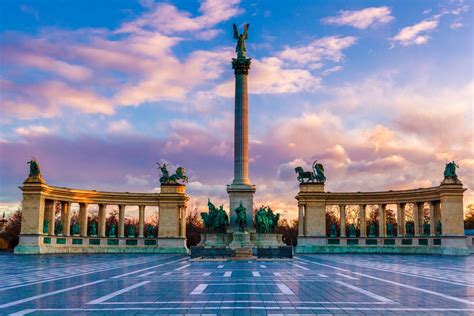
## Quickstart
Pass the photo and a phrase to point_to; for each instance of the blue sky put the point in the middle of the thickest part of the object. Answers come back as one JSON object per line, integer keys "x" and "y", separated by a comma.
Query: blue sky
{"x": 379, "y": 91}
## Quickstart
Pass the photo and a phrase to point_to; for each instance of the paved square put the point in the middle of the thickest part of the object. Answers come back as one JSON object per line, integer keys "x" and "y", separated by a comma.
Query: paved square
{"x": 169, "y": 284}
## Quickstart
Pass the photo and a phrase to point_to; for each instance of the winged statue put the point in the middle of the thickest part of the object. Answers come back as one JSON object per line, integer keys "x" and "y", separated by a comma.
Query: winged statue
{"x": 240, "y": 48}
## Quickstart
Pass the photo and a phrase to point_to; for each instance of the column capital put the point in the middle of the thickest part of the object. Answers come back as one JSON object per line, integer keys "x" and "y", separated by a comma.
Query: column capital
{"x": 241, "y": 66}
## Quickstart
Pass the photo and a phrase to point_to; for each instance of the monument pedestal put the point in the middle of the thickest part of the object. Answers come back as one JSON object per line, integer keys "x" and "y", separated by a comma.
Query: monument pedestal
{"x": 269, "y": 240}
{"x": 241, "y": 193}
{"x": 213, "y": 240}
{"x": 241, "y": 240}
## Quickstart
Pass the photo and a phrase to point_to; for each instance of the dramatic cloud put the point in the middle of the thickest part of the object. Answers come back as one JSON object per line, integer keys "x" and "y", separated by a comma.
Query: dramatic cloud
{"x": 361, "y": 19}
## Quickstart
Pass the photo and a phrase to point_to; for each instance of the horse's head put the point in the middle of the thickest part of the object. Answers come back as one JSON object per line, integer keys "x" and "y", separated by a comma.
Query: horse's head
{"x": 298, "y": 169}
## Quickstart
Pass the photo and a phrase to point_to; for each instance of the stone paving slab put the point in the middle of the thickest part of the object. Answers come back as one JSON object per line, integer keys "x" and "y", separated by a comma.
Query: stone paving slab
{"x": 173, "y": 284}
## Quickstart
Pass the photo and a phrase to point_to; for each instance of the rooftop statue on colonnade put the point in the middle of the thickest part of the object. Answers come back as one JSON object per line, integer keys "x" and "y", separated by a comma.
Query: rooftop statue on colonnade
{"x": 450, "y": 175}
{"x": 180, "y": 174}
{"x": 35, "y": 173}
{"x": 216, "y": 220}
{"x": 317, "y": 175}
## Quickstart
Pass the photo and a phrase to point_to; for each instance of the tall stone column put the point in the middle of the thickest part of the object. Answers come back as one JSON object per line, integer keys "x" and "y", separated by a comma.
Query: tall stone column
{"x": 102, "y": 209}
{"x": 342, "y": 209}
{"x": 66, "y": 217}
{"x": 183, "y": 222}
{"x": 51, "y": 216}
{"x": 432, "y": 219}
{"x": 363, "y": 225}
{"x": 382, "y": 221}
{"x": 241, "y": 190}
{"x": 417, "y": 218}
{"x": 121, "y": 226}
{"x": 400, "y": 219}
{"x": 83, "y": 219}
{"x": 141, "y": 220}
{"x": 301, "y": 220}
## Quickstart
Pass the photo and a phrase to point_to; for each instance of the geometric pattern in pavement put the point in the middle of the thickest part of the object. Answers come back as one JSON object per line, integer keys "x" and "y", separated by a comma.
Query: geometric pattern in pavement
{"x": 172, "y": 284}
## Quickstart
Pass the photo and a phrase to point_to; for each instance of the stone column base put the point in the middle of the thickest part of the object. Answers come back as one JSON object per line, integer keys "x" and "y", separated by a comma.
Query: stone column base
{"x": 241, "y": 240}
{"x": 241, "y": 193}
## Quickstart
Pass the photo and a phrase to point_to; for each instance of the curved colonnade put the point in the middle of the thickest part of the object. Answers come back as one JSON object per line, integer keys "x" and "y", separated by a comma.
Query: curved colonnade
{"x": 39, "y": 234}
{"x": 443, "y": 233}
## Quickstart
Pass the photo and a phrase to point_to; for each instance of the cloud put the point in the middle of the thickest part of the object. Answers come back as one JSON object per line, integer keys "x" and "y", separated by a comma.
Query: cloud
{"x": 326, "y": 48}
{"x": 362, "y": 19}
{"x": 416, "y": 34}
{"x": 33, "y": 131}
{"x": 119, "y": 127}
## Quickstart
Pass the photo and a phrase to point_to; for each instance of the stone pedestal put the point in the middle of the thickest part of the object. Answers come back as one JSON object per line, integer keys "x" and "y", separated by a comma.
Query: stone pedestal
{"x": 241, "y": 240}
{"x": 241, "y": 193}
{"x": 268, "y": 240}
{"x": 213, "y": 240}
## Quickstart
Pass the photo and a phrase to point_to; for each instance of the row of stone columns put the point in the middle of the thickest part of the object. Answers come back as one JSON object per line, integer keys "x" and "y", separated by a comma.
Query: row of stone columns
{"x": 434, "y": 207}
{"x": 83, "y": 219}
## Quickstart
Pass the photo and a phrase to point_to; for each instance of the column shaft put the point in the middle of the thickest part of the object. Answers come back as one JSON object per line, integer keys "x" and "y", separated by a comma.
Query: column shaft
{"x": 183, "y": 222}
{"x": 301, "y": 220}
{"x": 121, "y": 226}
{"x": 83, "y": 219}
{"x": 400, "y": 219}
{"x": 102, "y": 211}
{"x": 363, "y": 225}
{"x": 382, "y": 221}
{"x": 432, "y": 219}
{"x": 141, "y": 220}
{"x": 342, "y": 210}
{"x": 66, "y": 218}
{"x": 51, "y": 218}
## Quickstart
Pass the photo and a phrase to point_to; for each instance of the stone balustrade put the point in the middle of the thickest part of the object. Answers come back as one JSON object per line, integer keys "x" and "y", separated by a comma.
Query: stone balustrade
{"x": 443, "y": 233}
{"x": 39, "y": 207}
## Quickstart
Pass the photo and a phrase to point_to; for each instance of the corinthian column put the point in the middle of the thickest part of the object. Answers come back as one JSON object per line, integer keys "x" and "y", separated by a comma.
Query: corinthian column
{"x": 241, "y": 190}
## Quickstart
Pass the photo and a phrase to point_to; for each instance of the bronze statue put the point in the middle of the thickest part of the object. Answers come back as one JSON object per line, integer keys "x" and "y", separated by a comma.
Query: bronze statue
{"x": 389, "y": 230}
{"x": 34, "y": 169}
{"x": 439, "y": 230}
{"x": 45, "y": 226}
{"x": 113, "y": 230}
{"x": 131, "y": 231}
{"x": 266, "y": 221}
{"x": 333, "y": 230}
{"x": 408, "y": 229}
{"x": 426, "y": 229}
{"x": 180, "y": 174}
{"x": 450, "y": 170}
{"x": 59, "y": 228}
{"x": 352, "y": 231}
{"x": 240, "y": 48}
{"x": 93, "y": 229}
{"x": 372, "y": 230}
{"x": 150, "y": 231}
{"x": 317, "y": 175}
{"x": 75, "y": 229}
{"x": 241, "y": 218}
{"x": 216, "y": 220}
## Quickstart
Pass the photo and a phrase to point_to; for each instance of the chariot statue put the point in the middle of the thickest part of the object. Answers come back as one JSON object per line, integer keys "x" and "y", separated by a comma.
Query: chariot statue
{"x": 179, "y": 175}
{"x": 241, "y": 218}
{"x": 450, "y": 175}
{"x": 240, "y": 48}
{"x": 317, "y": 175}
